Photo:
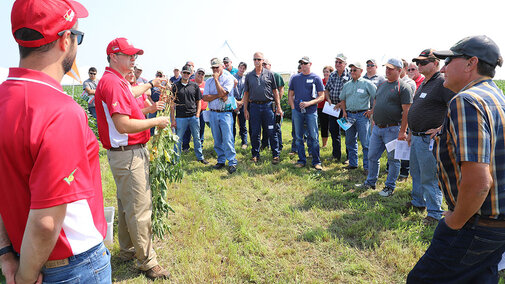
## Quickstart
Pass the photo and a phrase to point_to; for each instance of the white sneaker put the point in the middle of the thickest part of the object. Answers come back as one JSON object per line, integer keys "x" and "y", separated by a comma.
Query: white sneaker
{"x": 386, "y": 192}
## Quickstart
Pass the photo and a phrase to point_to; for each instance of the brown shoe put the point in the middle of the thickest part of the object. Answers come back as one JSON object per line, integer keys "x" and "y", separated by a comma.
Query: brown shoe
{"x": 299, "y": 165}
{"x": 254, "y": 159}
{"x": 429, "y": 221}
{"x": 157, "y": 272}
{"x": 409, "y": 206}
{"x": 275, "y": 160}
{"x": 318, "y": 167}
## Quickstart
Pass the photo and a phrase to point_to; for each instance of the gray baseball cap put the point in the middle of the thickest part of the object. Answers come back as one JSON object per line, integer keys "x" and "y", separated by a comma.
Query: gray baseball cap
{"x": 481, "y": 46}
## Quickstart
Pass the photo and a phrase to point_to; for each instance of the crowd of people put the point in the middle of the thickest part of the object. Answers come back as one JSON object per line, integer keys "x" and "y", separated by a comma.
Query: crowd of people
{"x": 52, "y": 216}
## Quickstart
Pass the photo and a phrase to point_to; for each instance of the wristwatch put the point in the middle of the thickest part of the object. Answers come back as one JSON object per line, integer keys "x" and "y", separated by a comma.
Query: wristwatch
{"x": 6, "y": 249}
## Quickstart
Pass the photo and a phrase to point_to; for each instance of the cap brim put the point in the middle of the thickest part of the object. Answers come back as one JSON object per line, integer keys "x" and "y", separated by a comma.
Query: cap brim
{"x": 443, "y": 54}
{"x": 391, "y": 65}
{"x": 303, "y": 61}
{"x": 352, "y": 65}
{"x": 80, "y": 10}
{"x": 132, "y": 51}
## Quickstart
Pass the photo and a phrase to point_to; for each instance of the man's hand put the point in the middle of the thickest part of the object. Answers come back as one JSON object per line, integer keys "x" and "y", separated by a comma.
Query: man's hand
{"x": 159, "y": 105}
{"x": 246, "y": 114}
{"x": 279, "y": 111}
{"x": 158, "y": 82}
{"x": 10, "y": 264}
{"x": 239, "y": 104}
{"x": 409, "y": 137}
{"x": 303, "y": 105}
{"x": 163, "y": 121}
{"x": 449, "y": 221}
{"x": 215, "y": 74}
{"x": 402, "y": 135}
{"x": 433, "y": 132}
{"x": 368, "y": 113}
{"x": 344, "y": 113}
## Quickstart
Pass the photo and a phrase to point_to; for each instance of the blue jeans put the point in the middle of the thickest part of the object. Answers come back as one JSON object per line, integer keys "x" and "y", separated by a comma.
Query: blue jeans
{"x": 91, "y": 266}
{"x": 262, "y": 115}
{"x": 310, "y": 119}
{"x": 468, "y": 255}
{"x": 334, "y": 128}
{"x": 358, "y": 129}
{"x": 92, "y": 111}
{"x": 187, "y": 135}
{"x": 376, "y": 146}
{"x": 193, "y": 123}
{"x": 152, "y": 115}
{"x": 241, "y": 124}
{"x": 423, "y": 168}
{"x": 221, "y": 124}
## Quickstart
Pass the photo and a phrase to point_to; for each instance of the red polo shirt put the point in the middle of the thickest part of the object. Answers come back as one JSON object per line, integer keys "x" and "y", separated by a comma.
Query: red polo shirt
{"x": 48, "y": 157}
{"x": 114, "y": 95}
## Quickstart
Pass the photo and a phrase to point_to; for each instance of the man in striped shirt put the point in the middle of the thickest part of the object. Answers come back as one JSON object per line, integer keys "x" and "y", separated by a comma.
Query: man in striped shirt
{"x": 469, "y": 242}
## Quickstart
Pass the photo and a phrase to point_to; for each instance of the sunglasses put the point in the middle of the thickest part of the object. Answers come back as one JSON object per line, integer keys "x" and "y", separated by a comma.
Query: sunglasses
{"x": 411, "y": 69}
{"x": 200, "y": 73}
{"x": 370, "y": 65}
{"x": 79, "y": 34}
{"x": 423, "y": 62}
{"x": 257, "y": 59}
{"x": 354, "y": 70}
{"x": 92, "y": 73}
{"x": 450, "y": 58}
{"x": 214, "y": 68}
{"x": 304, "y": 63}
{"x": 187, "y": 73}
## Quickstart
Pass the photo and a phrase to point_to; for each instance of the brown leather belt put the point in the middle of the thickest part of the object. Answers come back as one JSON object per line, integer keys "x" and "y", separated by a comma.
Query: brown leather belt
{"x": 484, "y": 222}
{"x": 356, "y": 111}
{"x": 215, "y": 110}
{"x": 387, "y": 125}
{"x": 129, "y": 147}
{"x": 56, "y": 263}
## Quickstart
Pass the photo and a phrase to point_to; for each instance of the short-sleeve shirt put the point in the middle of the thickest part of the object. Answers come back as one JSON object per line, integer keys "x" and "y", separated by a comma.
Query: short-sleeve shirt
{"x": 306, "y": 88}
{"x": 48, "y": 157}
{"x": 92, "y": 85}
{"x": 336, "y": 83}
{"x": 279, "y": 81}
{"x": 202, "y": 87}
{"x": 239, "y": 90}
{"x": 233, "y": 71}
{"x": 429, "y": 107}
{"x": 376, "y": 79}
{"x": 389, "y": 98}
{"x": 418, "y": 81}
{"x": 227, "y": 81}
{"x": 187, "y": 96}
{"x": 411, "y": 83}
{"x": 260, "y": 87}
{"x": 474, "y": 132}
{"x": 173, "y": 79}
{"x": 357, "y": 94}
{"x": 114, "y": 95}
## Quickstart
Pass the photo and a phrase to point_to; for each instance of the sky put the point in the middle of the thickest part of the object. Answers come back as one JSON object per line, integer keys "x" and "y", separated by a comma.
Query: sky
{"x": 173, "y": 32}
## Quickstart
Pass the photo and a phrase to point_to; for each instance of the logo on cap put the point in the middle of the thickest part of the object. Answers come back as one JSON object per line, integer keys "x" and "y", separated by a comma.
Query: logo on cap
{"x": 69, "y": 15}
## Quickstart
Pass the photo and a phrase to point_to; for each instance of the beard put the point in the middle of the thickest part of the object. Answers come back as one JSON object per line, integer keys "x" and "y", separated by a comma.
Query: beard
{"x": 68, "y": 61}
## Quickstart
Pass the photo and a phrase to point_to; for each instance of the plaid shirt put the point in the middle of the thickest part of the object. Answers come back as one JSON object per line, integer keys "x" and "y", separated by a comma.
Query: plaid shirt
{"x": 475, "y": 132}
{"x": 336, "y": 83}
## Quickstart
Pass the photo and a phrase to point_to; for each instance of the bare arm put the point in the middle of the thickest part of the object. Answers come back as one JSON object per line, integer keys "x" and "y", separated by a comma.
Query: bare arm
{"x": 277, "y": 99}
{"x": 327, "y": 95}
{"x": 473, "y": 190}
{"x": 343, "y": 107}
{"x": 42, "y": 229}
{"x": 402, "y": 135}
{"x": 140, "y": 89}
{"x": 245, "y": 100}
{"x": 281, "y": 92}
{"x": 320, "y": 98}
{"x": 89, "y": 91}
{"x": 125, "y": 124}
{"x": 291, "y": 98}
{"x": 8, "y": 261}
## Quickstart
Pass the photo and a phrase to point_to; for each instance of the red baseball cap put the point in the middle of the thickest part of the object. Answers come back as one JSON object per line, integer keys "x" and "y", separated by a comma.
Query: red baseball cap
{"x": 121, "y": 44}
{"x": 48, "y": 17}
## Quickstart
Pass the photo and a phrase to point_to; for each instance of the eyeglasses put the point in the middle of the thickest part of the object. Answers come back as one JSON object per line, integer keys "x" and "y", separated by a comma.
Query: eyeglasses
{"x": 411, "y": 69}
{"x": 354, "y": 70}
{"x": 133, "y": 56}
{"x": 187, "y": 73}
{"x": 214, "y": 68}
{"x": 370, "y": 65}
{"x": 257, "y": 59}
{"x": 423, "y": 62}
{"x": 450, "y": 58}
{"x": 200, "y": 73}
{"x": 304, "y": 63}
{"x": 79, "y": 34}
{"x": 339, "y": 62}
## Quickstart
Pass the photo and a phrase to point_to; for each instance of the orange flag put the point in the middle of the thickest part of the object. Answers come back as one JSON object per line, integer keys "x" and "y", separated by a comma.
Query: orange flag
{"x": 74, "y": 73}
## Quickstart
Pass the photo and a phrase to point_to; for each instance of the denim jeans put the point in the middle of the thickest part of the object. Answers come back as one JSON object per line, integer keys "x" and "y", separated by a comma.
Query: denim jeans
{"x": 241, "y": 124}
{"x": 423, "y": 168}
{"x": 187, "y": 135}
{"x": 358, "y": 129}
{"x": 468, "y": 255}
{"x": 221, "y": 124}
{"x": 152, "y": 115}
{"x": 262, "y": 115}
{"x": 336, "y": 151}
{"x": 310, "y": 119}
{"x": 376, "y": 146}
{"x": 92, "y": 111}
{"x": 193, "y": 123}
{"x": 91, "y": 266}
{"x": 278, "y": 130}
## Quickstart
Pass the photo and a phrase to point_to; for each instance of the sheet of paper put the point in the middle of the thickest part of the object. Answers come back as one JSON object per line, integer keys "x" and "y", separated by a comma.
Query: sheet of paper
{"x": 346, "y": 123}
{"x": 390, "y": 146}
{"x": 328, "y": 109}
{"x": 501, "y": 264}
{"x": 206, "y": 115}
{"x": 402, "y": 150}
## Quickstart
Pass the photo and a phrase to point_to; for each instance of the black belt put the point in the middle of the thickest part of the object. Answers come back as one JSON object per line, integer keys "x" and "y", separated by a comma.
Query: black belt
{"x": 260, "y": 102}
{"x": 422, "y": 134}
{"x": 129, "y": 147}
{"x": 485, "y": 222}
{"x": 387, "y": 125}
{"x": 215, "y": 110}
{"x": 356, "y": 111}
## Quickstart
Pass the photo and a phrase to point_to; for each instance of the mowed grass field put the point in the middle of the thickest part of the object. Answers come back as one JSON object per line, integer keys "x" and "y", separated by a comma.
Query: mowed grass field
{"x": 279, "y": 224}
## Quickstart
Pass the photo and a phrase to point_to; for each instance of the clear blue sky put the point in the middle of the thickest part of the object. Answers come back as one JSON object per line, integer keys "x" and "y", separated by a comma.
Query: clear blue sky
{"x": 172, "y": 32}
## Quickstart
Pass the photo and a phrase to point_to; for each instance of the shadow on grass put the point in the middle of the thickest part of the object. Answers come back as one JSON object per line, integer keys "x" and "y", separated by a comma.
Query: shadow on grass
{"x": 123, "y": 271}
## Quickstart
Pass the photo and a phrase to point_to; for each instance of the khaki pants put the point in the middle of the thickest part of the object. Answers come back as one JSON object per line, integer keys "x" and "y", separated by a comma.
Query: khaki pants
{"x": 131, "y": 173}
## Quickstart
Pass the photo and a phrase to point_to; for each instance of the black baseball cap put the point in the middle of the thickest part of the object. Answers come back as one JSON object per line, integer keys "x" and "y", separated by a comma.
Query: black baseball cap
{"x": 481, "y": 46}
{"x": 226, "y": 59}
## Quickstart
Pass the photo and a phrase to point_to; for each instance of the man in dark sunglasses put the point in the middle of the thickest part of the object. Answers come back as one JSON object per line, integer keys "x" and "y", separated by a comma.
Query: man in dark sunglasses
{"x": 89, "y": 87}
{"x": 425, "y": 117}
{"x": 469, "y": 241}
{"x": 52, "y": 223}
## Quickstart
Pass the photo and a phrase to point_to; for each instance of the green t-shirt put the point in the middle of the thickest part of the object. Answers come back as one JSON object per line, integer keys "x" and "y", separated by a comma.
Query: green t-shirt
{"x": 389, "y": 100}
{"x": 357, "y": 94}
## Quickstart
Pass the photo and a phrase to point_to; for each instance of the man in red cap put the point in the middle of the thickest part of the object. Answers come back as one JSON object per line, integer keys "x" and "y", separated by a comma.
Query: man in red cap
{"x": 52, "y": 221}
{"x": 124, "y": 132}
